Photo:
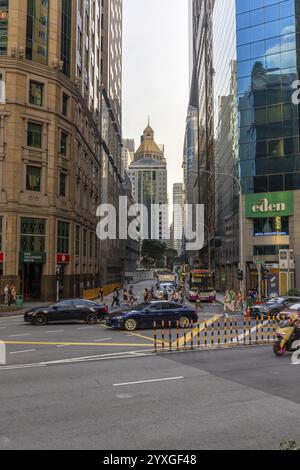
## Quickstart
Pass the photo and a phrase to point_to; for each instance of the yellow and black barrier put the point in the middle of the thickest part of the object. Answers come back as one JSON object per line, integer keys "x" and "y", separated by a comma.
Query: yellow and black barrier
{"x": 213, "y": 334}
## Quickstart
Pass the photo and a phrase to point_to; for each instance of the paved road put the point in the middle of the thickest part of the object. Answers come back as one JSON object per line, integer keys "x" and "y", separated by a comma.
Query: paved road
{"x": 27, "y": 344}
{"x": 227, "y": 399}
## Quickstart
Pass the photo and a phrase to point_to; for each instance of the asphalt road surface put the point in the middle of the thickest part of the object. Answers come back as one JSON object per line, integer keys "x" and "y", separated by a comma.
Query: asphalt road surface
{"x": 28, "y": 344}
{"x": 242, "y": 398}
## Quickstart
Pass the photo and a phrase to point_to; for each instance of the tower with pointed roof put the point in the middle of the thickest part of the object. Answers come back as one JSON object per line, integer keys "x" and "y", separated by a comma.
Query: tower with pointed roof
{"x": 149, "y": 178}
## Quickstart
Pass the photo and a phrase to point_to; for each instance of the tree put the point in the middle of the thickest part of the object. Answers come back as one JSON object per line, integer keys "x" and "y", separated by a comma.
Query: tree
{"x": 154, "y": 249}
{"x": 171, "y": 256}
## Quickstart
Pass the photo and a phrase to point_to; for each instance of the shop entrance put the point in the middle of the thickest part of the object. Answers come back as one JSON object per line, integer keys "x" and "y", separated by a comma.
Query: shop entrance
{"x": 31, "y": 278}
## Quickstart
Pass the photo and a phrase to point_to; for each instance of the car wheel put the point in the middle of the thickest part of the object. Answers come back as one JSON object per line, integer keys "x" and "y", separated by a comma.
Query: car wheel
{"x": 184, "y": 322}
{"x": 92, "y": 319}
{"x": 40, "y": 319}
{"x": 130, "y": 324}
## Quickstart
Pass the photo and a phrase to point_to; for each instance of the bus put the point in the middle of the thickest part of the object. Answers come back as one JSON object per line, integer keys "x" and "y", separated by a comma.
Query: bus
{"x": 203, "y": 281}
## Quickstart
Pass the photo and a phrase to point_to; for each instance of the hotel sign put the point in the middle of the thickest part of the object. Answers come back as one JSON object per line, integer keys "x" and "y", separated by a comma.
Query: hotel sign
{"x": 269, "y": 205}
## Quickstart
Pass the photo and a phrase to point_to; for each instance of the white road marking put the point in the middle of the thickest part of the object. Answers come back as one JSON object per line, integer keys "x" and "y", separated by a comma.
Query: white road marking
{"x": 148, "y": 381}
{"x": 101, "y": 340}
{"x": 57, "y": 331}
{"x": 85, "y": 328}
{"x": 244, "y": 336}
{"x": 19, "y": 336}
{"x": 23, "y": 352}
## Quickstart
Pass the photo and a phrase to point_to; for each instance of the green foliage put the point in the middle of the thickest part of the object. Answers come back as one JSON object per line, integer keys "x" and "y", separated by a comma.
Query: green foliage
{"x": 294, "y": 292}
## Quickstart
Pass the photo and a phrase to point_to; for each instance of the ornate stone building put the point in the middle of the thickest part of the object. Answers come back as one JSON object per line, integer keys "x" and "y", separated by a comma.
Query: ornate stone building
{"x": 60, "y": 143}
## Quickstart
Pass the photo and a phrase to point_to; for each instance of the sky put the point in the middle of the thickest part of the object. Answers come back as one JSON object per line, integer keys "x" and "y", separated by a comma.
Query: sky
{"x": 156, "y": 75}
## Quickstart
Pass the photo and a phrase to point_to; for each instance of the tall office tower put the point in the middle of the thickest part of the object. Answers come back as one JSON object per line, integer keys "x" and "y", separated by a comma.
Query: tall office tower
{"x": 178, "y": 216}
{"x": 203, "y": 83}
{"x": 226, "y": 263}
{"x": 269, "y": 152}
{"x": 149, "y": 178}
{"x": 60, "y": 142}
{"x": 128, "y": 152}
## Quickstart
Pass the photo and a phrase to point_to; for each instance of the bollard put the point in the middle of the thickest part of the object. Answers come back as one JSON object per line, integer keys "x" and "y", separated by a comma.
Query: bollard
{"x": 257, "y": 331}
{"x": 236, "y": 331}
{"x": 262, "y": 329}
{"x": 225, "y": 330}
{"x": 250, "y": 330}
{"x": 231, "y": 330}
{"x": 184, "y": 336}
{"x": 269, "y": 329}
{"x": 155, "y": 336}
{"x": 245, "y": 330}
{"x": 199, "y": 335}
{"x": 219, "y": 333}
{"x": 163, "y": 336}
{"x": 170, "y": 336}
{"x": 177, "y": 336}
{"x": 274, "y": 328}
{"x": 213, "y": 335}
{"x": 192, "y": 335}
{"x": 205, "y": 335}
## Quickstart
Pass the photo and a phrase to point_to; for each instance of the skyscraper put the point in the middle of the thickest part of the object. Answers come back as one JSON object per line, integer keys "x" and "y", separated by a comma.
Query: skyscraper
{"x": 149, "y": 178}
{"x": 178, "y": 216}
{"x": 269, "y": 154}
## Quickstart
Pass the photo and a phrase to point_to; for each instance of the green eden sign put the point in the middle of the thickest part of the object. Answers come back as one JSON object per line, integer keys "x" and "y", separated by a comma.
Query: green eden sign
{"x": 32, "y": 258}
{"x": 269, "y": 205}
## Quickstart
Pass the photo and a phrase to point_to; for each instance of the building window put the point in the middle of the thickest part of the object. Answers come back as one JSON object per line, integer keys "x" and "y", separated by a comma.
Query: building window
{"x": 91, "y": 244}
{"x": 33, "y": 179}
{"x": 84, "y": 243}
{"x": 63, "y": 229}
{"x": 37, "y": 31}
{"x": 66, "y": 35}
{"x": 65, "y": 104}
{"x": 34, "y": 135}
{"x": 63, "y": 144}
{"x": 4, "y": 5}
{"x": 62, "y": 184}
{"x": 33, "y": 235}
{"x": 272, "y": 250}
{"x": 77, "y": 241}
{"x": 36, "y": 91}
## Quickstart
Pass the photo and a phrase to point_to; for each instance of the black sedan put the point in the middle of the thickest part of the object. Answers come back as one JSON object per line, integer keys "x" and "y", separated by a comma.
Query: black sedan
{"x": 67, "y": 310}
{"x": 144, "y": 316}
{"x": 273, "y": 307}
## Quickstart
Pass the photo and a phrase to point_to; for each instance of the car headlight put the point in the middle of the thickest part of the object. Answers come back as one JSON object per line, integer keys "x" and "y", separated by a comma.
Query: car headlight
{"x": 117, "y": 318}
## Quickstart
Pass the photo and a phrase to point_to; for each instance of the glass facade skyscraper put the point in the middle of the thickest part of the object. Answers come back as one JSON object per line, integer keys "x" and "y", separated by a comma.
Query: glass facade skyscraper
{"x": 267, "y": 42}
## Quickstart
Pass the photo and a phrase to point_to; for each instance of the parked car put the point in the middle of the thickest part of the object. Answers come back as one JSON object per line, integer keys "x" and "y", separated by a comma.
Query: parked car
{"x": 144, "y": 316}
{"x": 287, "y": 312}
{"x": 67, "y": 310}
{"x": 273, "y": 307}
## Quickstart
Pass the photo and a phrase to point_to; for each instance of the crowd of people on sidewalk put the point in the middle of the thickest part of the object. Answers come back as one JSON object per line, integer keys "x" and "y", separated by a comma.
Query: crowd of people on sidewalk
{"x": 235, "y": 301}
{"x": 9, "y": 296}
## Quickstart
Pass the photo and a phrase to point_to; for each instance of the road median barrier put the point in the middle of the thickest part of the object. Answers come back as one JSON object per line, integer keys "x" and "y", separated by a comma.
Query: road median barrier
{"x": 215, "y": 333}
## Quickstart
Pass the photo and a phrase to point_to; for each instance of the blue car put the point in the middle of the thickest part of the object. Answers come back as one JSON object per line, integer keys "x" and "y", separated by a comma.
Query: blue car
{"x": 143, "y": 316}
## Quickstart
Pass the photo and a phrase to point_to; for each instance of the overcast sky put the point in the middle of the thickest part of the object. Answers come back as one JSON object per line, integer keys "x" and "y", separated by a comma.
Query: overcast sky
{"x": 156, "y": 75}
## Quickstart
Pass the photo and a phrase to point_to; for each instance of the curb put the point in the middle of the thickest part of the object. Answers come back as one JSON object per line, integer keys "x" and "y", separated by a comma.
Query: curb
{"x": 12, "y": 314}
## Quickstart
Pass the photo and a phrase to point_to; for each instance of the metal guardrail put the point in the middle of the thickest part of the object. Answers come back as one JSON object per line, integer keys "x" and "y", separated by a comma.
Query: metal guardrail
{"x": 224, "y": 332}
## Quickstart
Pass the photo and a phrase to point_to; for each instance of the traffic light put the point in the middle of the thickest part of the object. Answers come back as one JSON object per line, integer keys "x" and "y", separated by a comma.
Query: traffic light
{"x": 265, "y": 274}
{"x": 59, "y": 274}
{"x": 240, "y": 275}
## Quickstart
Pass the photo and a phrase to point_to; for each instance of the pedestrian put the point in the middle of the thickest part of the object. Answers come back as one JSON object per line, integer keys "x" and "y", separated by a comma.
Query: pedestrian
{"x": 6, "y": 294}
{"x": 9, "y": 296}
{"x": 125, "y": 296}
{"x": 227, "y": 302}
{"x": 240, "y": 301}
{"x": 101, "y": 294}
{"x": 116, "y": 298}
{"x": 146, "y": 295}
{"x": 233, "y": 300}
{"x": 14, "y": 294}
{"x": 199, "y": 305}
{"x": 165, "y": 294}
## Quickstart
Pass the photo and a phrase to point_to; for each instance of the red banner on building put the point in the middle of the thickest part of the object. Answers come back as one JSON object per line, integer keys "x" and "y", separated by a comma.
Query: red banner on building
{"x": 63, "y": 259}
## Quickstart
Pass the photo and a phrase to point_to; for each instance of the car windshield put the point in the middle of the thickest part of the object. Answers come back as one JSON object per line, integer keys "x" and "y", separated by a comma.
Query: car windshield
{"x": 295, "y": 307}
{"x": 279, "y": 300}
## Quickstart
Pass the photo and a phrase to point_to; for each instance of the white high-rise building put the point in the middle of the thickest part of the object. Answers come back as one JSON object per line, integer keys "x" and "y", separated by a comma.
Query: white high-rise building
{"x": 178, "y": 216}
{"x": 149, "y": 178}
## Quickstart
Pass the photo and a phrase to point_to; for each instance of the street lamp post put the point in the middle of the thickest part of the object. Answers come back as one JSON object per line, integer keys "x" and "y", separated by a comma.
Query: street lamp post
{"x": 242, "y": 258}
